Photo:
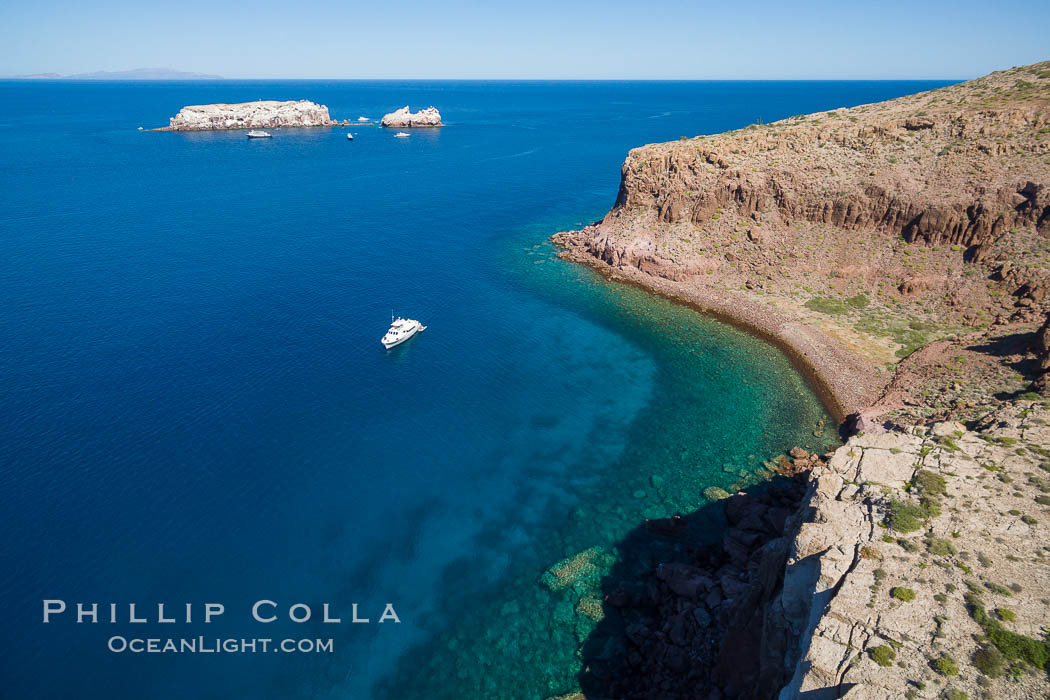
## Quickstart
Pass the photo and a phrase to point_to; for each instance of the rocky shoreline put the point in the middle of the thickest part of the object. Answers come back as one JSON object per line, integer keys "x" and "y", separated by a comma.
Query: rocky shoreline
{"x": 694, "y": 628}
{"x": 895, "y": 252}
{"x": 845, "y": 382}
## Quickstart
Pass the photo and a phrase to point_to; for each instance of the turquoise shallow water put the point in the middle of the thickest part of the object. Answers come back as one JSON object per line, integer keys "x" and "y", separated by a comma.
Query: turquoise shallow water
{"x": 720, "y": 403}
{"x": 196, "y": 406}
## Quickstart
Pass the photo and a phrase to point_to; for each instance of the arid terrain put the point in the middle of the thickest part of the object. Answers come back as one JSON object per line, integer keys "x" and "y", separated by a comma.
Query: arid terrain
{"x": 900, "y": 253}
{"x": 880, "y": 228}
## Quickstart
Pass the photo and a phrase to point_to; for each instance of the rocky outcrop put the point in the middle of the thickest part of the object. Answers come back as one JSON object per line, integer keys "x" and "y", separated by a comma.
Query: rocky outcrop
{"x": 677, "y": 187}
{"x": 1041, "y": 349}
{"x": 694, "y": 628}
{"x": 909, "y": 540}
{"x": 405, "y": 118}
{"x": 853, "y": 577}
{"x": 914, "y": 204}
{"x": 262, "y": 114}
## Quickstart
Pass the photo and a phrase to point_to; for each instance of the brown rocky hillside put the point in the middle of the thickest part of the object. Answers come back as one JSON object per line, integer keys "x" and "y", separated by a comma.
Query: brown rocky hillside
{"x": 865, "y": 232}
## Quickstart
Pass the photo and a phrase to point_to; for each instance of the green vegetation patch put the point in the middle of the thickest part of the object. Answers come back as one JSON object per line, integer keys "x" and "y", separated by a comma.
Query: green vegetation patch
{"x": 908, "y": 516}
{"x": 859, "y": 301}
{"x": 883, "y": 655}
{"x": 929, "y": 483}
{"x": 990, "y": 661}
{"x": 997, "y": 588}
{"x": 911, "y": 334}
{"x": 946, "y": 666}
{"x": 1012, "y": 645}
{"x": 902, "y": 593}
{"x": 940, "y": 547}
{"x": 870, "y": 553}
{"x": 948, "y": 443}
{"x": 828, "y": 305}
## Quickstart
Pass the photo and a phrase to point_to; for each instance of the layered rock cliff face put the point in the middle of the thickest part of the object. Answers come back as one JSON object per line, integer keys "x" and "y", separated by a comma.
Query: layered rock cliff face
{"x": 951, "y": 203}
{"x": 263, "y": 114}
{"x": 404, "y": 118}
{"x": 884, "y": 226}
{"x": 964, "y": 165}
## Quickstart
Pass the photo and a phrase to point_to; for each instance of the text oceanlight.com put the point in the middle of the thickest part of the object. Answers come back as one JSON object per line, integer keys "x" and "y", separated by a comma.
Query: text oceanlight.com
{"x": 203, "y": 645}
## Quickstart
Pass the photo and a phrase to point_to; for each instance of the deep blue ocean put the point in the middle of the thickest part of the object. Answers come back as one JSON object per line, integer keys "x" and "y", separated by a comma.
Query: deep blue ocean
{"x": 195, "y": 407}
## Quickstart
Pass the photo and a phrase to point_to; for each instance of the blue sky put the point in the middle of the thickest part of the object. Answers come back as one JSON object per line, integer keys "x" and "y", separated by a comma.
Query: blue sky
{"x": 623, "y": 39}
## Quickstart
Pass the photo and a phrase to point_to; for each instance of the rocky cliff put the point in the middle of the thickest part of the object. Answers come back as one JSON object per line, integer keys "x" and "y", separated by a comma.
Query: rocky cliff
{"x": 965, "y": 165}
{"x": 881, "y": 227}
{"x": 262, "y": 114}
{"x": 910, "y": 562}
{"x": 404, "y": 118}
{"x": 900, "y": 252}
{"x": 920, "y": 564}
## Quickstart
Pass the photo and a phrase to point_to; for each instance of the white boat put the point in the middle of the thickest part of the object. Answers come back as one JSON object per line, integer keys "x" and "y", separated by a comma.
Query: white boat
{"x": 349, "y": 136}
{"x": 257, "y": 134}
{"x": 401, "y": 135}
{"x": 401, "y": 329}
{"x": 363, "y": 119}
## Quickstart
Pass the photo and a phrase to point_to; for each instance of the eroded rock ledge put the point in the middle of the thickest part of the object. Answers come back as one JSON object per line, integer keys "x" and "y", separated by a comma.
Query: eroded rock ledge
{"x": 910, "y": 541}
{"x": 262, "y": 114}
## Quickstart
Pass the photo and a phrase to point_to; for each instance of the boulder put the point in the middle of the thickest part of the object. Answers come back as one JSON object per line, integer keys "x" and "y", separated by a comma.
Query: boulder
{"x": 1041, "y": 349}
{"x": 686, "y": 581}
{"x": 857, "y": 423}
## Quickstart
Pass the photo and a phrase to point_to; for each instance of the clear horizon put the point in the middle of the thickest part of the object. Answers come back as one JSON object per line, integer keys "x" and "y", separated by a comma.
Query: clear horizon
{"x": 617, "y": 40}
{"x": 396, "y": 79}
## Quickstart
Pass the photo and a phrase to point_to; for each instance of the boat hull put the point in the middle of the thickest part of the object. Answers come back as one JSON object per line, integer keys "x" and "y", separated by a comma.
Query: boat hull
{"x": 397, "y": 342}
{"x": 415, "y": 331}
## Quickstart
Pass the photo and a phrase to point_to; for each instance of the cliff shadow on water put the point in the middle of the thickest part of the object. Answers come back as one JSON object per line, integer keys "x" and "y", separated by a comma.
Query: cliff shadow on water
{"x": 687, "y": 610}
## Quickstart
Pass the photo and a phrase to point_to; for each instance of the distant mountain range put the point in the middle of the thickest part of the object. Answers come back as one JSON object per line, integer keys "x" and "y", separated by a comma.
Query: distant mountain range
{"x": 135, "y": 74}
